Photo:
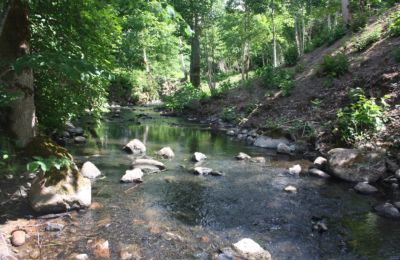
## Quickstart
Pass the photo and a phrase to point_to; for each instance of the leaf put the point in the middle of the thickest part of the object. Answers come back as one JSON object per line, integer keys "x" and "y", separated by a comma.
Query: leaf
{"x": 32, "y": 167}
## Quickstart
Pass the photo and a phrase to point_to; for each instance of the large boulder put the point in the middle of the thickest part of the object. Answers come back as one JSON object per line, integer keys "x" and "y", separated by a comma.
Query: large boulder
{"x": 135, "y": 146}
{"x": 356, "y": 166}
{"x": 134, "y": 175}
{"x": 268, "y": 142}
{"x": 60, "y": 190}
{"x": 89, "y": 170}
{"x": 166, "y": 153}
{"x": 148, "y": 165}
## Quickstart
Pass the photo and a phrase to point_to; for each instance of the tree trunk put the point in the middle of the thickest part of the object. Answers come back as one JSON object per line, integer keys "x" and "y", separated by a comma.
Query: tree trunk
{"x": 274, "y": 36}
{"x": 195, "y": 55}
{"x": 182, "y": 60}
{"x": 14, "y": 35}
{"x": 345, "y": 12}
{"x": 303, "y": 32}
{"x": 296, "y": 36}
{"x": 145, "y": 60}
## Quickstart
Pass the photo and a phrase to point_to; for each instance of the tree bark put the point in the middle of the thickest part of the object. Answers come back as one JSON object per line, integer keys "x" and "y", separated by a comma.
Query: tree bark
{"x": 296, "y": 36}
{"x": 195, "y": 54}
{"x": 14, "y": 43}
{"x": 345, "y": 12}
{"x": 182, "y": 60}
{"x": 274, "y": 36}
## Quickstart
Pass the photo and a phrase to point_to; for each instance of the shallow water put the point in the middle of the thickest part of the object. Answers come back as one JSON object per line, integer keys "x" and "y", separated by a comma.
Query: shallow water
{"x": 177, "y": 215}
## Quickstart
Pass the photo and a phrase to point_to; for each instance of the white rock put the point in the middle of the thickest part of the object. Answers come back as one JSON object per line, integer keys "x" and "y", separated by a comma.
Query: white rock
{"x": 268, "y": 142}
{"x": 248, "y": 248}
{"x": 166, "y": 153}
{"x": 320, "y": 163}
{"x": 243, "y": 156}
{"x": 89, "y": 170}
{"x": 397, "y": 174}
{"x": 283, "y": 148}
{"x": 198, "y": 157}
{"x": 295, "y": 170}
{"x": 134, "y": 175}
{"x": 79, "y": 139}
{"x": 318, "y": 173}
{"x": 202, "y": 171}
{"x": 135, "y": 146}
{"x": 148, "y": 165}
{"x": 290, "y": 188}
{"x": 80, "y": 257}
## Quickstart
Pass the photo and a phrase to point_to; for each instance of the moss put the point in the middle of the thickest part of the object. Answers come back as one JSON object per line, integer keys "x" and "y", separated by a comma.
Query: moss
{"x": 44, "y": 147}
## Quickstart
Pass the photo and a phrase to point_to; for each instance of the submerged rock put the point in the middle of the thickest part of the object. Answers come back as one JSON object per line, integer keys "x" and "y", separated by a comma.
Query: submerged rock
{"x": 89, "y": 170}
{"x": 388, "y": 210}
{"x": 202, "y": 171}
{"x": 134, "y": 175}
{"x": 18, "y": 237}
{"x": 258, "y": 160}
{"x": 148, "y": 165}
{"x": 166, "y": 153}
{"x": 268, "y": 142}
{"x": 79, "y": 139}
{"x": 59, "y": 191}
{"x": 75, "y": 131}
{"x": 54, "y": 227}
{"x": 135, "y": 147}
{"x": 365, "y": 188}
{"x": 243, "y": 156}
{"x": 290, "y": 189}
{"x": 198, "y": 157}
{"x": 283, "y": 149}
{"x": 320, "y": 163}
{"x": 356, "y": 166}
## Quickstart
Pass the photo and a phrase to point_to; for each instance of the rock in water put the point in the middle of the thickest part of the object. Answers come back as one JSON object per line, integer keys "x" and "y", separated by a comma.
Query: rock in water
{"x": 134, "y": 175}
{"x": 60, "y": 190}
{"x": 318, "y": 173}
{"x": 202, "y": 171}
{"x": 148, "y": 165}
{"x": 89, "y": 170}
{"x": 320, "y": 163}
{"x": 365, "y": 188}
{"x": 135, "y": 147}
{"x": 388, "y": 210}
{"x": 54, "y": 227}
{"x": 283, "y": 149}
{"x": 295, "y": 170}
{"x": 268, "y": 142}
{"x": 18, "y": 237}
{"x": 243, "y": 156}
{"x": 166, "y": 153}
{"x": 258, "y": 160}
{"x": 249, "y": 249}
{"x": 397, "y": 174}
{"x": 79, "y": 139}
{"x": 198, "y": 157}
{"x": 290, "y": 189}
{"x": 356, "y": 166}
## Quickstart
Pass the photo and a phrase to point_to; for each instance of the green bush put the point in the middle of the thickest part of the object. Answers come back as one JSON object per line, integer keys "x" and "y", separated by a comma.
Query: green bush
{"x": 367, "y": 39}
{"x": 229, "y": 114}
{"x": 363, "y": 118}
{"x": 291, "y": 56}
{"x": 358, "y": 22}
{"x": 394, "y": 27}
{"x": 183, "y": 97}
{"x": 334, "y": 65}
{"x": 279, "y": 78}
{"x": 336, "y": 33}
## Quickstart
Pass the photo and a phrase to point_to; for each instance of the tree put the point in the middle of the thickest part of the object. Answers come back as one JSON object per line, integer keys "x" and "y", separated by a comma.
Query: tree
{"x": 19, "y": 115}
{"x": 345, "y": 11}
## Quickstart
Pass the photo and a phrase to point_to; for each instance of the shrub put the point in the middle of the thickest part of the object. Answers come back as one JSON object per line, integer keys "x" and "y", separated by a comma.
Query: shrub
{"x": 183, "y": 97}
{"x": 334, "y": 65}
{"x": 291, "y": 56}
{"x": 364, "y": 117}
{"x": 229, "y": 114}
{"x": 358, "y": 22}
{"x": 279, "y": 78}
{"x": 336, "y": 33}
{"x": 367, "y": 39}
{"x": 394, "y": 27}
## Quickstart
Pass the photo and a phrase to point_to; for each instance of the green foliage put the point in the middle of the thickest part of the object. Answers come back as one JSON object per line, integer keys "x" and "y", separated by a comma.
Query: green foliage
{"x": 316, "y": 103}
{"x": 291, "y": 56}
{"x": 334, "y": 65}
{"x": 396, "y": 54}
{"x": 367, "y": 39}
{"x": 46, "y": 164}
{"x": 335, "y": 34}
{"x": 279, "y": 78}
{"x": 229, "y": 114}
{"x": 182, "y": 98}
{"x": 394, "y": 27}
{"x": 358, "y": 22}
{"x": 362, "y": 119}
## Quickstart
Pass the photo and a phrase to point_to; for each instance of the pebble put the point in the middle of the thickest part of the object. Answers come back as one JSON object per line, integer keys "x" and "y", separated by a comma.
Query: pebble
{"x": 18, "y": 237}
{"x": 54, "y": 227}
{"x": 291, "y": 189}
{"x": 35, "y": 254}
{"x": 318, "y": 173}
{"x": 295, "y": 170}
{"x": 80, "y": 257}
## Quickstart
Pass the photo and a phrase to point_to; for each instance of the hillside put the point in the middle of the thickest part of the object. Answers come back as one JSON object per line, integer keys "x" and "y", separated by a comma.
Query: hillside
{"x": 315, "y": 99}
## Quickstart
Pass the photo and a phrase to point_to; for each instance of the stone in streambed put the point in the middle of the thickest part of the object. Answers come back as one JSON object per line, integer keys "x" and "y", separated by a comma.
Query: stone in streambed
{"x": 166, "y": 153}
{"x": 290, "y": 189}
{"x": 148, "y": 165}
{"x": 134, "y": 175}
{"x": 320, "y": 163}
{"x": 89, "y": 170}
{"x": 283, "y": 148}
{"x": 318, "y": 173}
{"x": 249, "y": 249}
{"x": 295, "y": 170}
{"x": 18, "y": 237}
{"x": 365, "y": 188}
{"x": 79, "y": 139}
{"x": 198, "y": 157}
{"x": 243, "y": 156}
{"x": 268, "y": 142}
{"x": 135, "y": 147}
{"x": 387, "y": 210}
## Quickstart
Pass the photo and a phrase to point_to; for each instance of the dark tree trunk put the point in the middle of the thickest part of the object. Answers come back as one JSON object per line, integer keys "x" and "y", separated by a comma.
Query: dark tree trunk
{"x": 20, "y": 119}
{"x": 195, "y": 54}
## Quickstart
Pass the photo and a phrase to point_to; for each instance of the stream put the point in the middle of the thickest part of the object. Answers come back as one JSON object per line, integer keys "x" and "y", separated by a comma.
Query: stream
{"x": 178, "y": 215}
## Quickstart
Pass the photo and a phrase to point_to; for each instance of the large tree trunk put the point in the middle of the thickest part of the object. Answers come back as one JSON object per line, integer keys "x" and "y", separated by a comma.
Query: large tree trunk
{"x": 345, "y": 11}
{"x": 182, "y": 60}
{"x": 20, "y": 118}
{"x": 195, "y": 55}
{"x": 274, "y": 37}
